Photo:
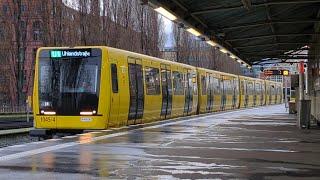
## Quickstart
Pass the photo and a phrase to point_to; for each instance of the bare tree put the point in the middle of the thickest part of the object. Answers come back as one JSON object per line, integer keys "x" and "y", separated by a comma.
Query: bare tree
{"x": 122, "y": 24}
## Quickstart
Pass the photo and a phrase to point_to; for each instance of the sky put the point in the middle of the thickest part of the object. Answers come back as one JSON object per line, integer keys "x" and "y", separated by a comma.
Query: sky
{"x": 168, "y": 31}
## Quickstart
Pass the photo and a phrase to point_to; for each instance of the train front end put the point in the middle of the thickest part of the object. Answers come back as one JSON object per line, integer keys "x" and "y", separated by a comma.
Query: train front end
{"x": 67, "y": 88}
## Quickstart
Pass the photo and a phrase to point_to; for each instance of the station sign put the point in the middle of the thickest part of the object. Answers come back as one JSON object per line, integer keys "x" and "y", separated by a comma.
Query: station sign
{"x": 272, "y": 72}
{"x": 70, "y": 53}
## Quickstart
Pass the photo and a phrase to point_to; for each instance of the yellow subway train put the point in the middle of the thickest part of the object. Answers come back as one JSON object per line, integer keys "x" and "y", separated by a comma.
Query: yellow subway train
{"x": 98, "y": 87}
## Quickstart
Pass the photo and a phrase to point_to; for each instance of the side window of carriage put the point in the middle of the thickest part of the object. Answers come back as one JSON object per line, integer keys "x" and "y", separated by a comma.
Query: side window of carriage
{"x": 152, "y": 81}
{"x": 178, "y": 83}
{"x": 114, "y": 78}
{"x": 204, "y": 85}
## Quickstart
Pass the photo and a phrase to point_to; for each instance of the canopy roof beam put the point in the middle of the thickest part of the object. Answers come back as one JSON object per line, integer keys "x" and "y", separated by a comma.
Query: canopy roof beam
{"x": 266, "y": 23}
{"x": 271, "y": 36}
{"x": 273, "y": 44}
{"x": 217, "y": 9}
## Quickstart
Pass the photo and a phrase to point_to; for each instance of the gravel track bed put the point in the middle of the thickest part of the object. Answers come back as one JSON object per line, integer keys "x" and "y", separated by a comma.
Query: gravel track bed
{"x": 16, "y": 139}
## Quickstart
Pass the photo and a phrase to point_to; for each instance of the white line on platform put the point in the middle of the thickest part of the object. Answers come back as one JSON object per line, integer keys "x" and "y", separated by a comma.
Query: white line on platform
{"x": 95, "y": 132}
{"x": 17, "y": 146}
{"x": 88, "y": 140}
{"x": 52, "y": 140}
{"x": 69, "y": 137}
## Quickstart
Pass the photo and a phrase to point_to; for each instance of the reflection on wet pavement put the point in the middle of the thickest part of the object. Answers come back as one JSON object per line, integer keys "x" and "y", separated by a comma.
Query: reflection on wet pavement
{"x": 261, "y": 143}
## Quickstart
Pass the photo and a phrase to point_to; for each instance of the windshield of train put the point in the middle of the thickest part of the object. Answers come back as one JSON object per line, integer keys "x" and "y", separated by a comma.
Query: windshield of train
{"x": 69, "y": 80}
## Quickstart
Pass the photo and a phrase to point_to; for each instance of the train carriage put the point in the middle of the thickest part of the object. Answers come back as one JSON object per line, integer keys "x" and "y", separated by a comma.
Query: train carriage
{"x": 99, "y": 87}
{"x": 217, "y": 91}
{"x": 247, "y": 92}
{"x": 209, "y": 91}
{"x": 259, "y": 97}
{"x": 279, "y": 93}
{"x": 230, "y": 91}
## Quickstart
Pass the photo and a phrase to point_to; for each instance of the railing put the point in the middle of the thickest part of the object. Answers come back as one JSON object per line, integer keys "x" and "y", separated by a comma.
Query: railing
{"x": 14, "y": 109}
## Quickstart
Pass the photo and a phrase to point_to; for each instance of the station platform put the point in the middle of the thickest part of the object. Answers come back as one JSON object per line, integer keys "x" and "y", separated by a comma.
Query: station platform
{"x": 254, "y": 143}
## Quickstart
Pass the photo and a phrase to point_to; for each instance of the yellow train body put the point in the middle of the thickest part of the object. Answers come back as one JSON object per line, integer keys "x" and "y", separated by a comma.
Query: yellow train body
{"x": 132, "y": 88}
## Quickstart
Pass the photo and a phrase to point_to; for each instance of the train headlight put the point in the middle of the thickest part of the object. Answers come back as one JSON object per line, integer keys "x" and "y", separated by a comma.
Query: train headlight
{"x": 47, "y": 112}
{"x": 88, "y": 113}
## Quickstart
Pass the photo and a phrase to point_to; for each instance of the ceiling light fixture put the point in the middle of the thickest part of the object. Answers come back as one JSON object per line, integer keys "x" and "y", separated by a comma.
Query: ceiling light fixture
{"x": 193, "y": 31}
{"x": 223, "y": 50}
{"x": 211, "y": 43}
{"x": 166, "y": 13}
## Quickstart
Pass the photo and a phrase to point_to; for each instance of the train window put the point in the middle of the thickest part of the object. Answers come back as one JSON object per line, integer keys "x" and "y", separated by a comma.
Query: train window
{"x": 194, "y": 82}
{"x": 236, "y": 86}
{"x": 250, "y": 88}
{"x": 152, "y": 81}
{"x": 204, "y": 85}
{"x": 216, "y": 85}
{"x": 178, "y": 86}
{"x": 227, "y": 86}
{"x": 114, "y": 78}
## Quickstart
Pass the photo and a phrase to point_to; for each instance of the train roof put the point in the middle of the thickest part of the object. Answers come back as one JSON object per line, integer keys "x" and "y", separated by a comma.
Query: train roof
{"x": 157, "y": 59}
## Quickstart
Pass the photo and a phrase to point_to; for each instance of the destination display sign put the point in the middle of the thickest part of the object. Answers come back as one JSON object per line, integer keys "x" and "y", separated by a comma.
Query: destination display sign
{"x": 272, "y": 72}
{"x": 71, "y": 53}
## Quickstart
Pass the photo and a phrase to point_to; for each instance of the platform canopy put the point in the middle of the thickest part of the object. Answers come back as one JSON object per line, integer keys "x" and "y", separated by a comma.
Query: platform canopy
{"x": 253, "y": 30}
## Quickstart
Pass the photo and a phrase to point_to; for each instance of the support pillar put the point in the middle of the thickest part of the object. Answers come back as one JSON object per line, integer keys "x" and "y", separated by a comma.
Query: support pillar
{"x": 304, "y": 106}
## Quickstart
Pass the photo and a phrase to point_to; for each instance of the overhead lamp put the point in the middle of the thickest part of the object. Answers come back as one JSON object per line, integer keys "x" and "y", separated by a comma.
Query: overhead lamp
{"x": 233, "y": 56}
{"x": 193, "y": 31}
{"x": 211, "y": 43}
{"x": 239, "y": 61}
{"x": 166, "y": 13}
{"x": 223, "y": 50}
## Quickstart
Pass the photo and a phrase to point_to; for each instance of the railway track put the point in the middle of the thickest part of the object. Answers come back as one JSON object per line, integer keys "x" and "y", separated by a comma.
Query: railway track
{"x": 15, "y": 124}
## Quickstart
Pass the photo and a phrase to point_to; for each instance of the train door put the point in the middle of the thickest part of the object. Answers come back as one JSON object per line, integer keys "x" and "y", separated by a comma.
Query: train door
{"x": 246, "y": 99}
{"x": 269, "y": 94}
{"x": 209, "y": 92}
{"x": 223, "y": 93}
{"x": 136, "y": 88}
{"x": 166, "y": 81}
{"x": 263, "y": 92}
{"x": 242, "y": 93}
{"x": 276, "y": 94}
{"x": 255, "y": 93}
{"x": 234, "y": 92}
{"x": 237, "y": 83}
{"x": 188, "y": 93}
{"x": 114, "y": 108}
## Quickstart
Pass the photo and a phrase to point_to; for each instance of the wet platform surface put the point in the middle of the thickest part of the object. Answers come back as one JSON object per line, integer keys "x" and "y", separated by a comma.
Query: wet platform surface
{"x": 260, "y": 143}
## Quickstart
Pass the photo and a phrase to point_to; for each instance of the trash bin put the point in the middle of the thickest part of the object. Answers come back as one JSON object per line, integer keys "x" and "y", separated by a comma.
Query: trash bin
{"x": 292, "y": 107}
{"x": 304, "y": 113}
